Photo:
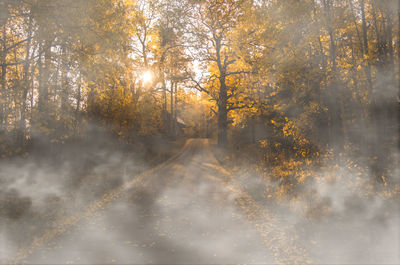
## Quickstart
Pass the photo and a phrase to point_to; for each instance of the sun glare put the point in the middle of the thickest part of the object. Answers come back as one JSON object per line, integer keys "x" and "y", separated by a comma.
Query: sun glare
{"x": 147, "y": 77}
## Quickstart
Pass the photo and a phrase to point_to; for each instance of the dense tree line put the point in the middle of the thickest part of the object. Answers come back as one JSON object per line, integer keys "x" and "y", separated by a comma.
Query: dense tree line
{"x": 331, "y": 71}
{"x": 293, "y": 78}
{"x": 301, "y": 78}
{"x": 65, "y": 64}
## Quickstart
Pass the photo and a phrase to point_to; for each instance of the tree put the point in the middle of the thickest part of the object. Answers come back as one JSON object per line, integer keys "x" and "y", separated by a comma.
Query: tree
{"x": 211, "y": 25}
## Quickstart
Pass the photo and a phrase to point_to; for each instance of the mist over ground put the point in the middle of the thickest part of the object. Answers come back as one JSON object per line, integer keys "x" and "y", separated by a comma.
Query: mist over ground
{"x": 334, "y": 216}
{"x": 180, "y": 215}
{"x": 39, "y": 190}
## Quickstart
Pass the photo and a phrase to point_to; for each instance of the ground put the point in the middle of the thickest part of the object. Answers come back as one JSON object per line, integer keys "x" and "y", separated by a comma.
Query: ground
{"x": 190, "y": 210}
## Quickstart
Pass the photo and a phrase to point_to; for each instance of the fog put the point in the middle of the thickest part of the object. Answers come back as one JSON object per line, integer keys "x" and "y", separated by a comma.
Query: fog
{"x": 44, "y": 188}
{"x": 189, "y": 210}
{"x": 175, "y": 215}
{"x": 337, "y": 215}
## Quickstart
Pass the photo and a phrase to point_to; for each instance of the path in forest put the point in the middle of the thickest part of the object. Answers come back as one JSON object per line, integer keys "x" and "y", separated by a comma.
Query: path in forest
{"x": 187, "y": 210}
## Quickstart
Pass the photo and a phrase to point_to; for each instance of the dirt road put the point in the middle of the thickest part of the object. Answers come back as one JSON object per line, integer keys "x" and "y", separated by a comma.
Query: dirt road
{"x": 185, "y": 211}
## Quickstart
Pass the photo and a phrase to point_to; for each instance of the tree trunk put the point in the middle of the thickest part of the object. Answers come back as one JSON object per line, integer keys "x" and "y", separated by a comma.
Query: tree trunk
{"x": 222, "y": 114}
{"x": 334, "y": 89}
{"x": 3, "y": 120}
{"x": 64, "y": 80}
{"x": 78, "y": 105}
{"x": 222, "y": 97}
{"x": 366, "y": 49}
{"x": 176, "y": 101}
{"x": 44, "y": 77}
{"x": 172, "y": 109}
{"x": 390, "y": 40}
{"x": 25, "y": 84}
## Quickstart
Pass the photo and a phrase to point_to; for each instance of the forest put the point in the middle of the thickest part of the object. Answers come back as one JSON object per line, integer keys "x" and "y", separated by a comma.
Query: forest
{"x": 296, "y": 101}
